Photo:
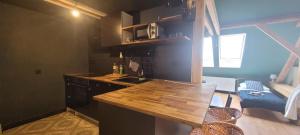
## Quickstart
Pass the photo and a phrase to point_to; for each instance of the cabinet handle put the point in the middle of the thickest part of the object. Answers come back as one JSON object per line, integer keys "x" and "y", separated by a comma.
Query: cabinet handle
{"x": 68, "y": 84}
{"x": 109, "y": 85}
{"x": 68, "y": 96}
{"x": 97, "y": 85}
{"x": 89, "y": 89}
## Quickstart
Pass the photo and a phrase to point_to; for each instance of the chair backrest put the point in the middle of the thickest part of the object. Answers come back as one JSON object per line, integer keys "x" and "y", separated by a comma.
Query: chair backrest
{"x": 221, "y": 128}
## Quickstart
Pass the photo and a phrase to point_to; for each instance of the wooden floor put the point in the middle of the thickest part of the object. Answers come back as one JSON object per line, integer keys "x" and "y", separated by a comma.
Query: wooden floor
{"x": 253, "y": 122}
{"x": 61, "y": 124}
{"x": 262, "y": 122}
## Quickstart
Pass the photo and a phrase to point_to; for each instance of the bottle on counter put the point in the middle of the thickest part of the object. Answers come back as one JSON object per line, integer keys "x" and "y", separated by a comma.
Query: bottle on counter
{"x": 115, "y": 69}
{"x": 121, "y": 69}
{"x": 121, "y": 55}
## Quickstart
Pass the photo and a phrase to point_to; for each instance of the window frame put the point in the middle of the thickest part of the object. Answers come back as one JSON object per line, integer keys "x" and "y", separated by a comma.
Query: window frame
{"x": 241, "y": 51}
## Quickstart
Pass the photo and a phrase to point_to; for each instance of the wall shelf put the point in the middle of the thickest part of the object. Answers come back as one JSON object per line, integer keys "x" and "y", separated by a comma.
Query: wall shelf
{"x": 166, "y": 22}
{"x": 177, "y": 19}
{"x": 130, "y": 28}
{"x": 174, "y": 40}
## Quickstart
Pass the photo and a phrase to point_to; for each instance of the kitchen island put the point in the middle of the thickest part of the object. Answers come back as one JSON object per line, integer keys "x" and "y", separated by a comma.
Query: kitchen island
{"x": 157, "y": 107}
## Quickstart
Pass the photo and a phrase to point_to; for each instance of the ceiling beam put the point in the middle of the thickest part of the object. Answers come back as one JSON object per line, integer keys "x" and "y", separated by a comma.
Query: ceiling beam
{"x": 211, "y": 6}
{"x": 71, "y": 4}
{"x": 268, "y": 20}
{"x": 288, "y": 65}
{"x": 208, "y": 26}
{"x": 286, "y": 68}
{"x": 278, "y": 39}
{"x": 298, "y": 76}
{"x": 197, "y": 44}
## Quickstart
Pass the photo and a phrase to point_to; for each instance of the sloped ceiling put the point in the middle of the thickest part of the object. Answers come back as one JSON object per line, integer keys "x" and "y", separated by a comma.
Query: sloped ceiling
{"x": 233, "y": 11}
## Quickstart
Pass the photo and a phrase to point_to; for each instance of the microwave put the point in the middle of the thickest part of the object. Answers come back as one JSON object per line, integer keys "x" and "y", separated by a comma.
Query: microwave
{"x": 152, "y": 31}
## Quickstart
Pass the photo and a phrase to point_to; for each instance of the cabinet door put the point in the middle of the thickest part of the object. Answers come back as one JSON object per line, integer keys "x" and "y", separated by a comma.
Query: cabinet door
{"x": 68, "y": 90}
{"x": 101, "y": 87}
{"x": 116, "y": 87}
{"x": 111, "y": 30}
{"x": 78, "y": 95}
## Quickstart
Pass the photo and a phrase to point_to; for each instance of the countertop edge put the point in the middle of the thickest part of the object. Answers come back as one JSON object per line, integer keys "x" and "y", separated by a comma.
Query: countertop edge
{"x": 147, "y": 112}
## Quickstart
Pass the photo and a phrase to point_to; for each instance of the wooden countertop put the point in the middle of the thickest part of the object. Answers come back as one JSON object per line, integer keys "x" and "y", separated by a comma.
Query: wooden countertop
{"x": 110, "y": 79}
{"x": 181, "y": 102}
{"x": 106, "y": 78}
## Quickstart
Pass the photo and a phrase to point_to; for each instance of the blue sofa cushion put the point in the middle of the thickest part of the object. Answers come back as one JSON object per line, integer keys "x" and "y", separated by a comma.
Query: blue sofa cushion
{"x": 266, "y": 101}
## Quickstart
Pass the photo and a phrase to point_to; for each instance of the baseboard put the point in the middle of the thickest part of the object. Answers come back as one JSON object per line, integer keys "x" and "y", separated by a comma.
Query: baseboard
{"x": 34, "y": 118}
{"x": 70, "y": 110}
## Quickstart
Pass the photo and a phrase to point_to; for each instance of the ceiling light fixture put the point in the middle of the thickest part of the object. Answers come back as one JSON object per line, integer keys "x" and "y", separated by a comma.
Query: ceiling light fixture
{"x": 75, "y": 12}
{"x": 79, "y": 8}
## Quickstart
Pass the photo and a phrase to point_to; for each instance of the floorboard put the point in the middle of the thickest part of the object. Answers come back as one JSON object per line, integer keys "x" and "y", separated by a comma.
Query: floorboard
{"x": 262, "y": 122}
{"x": 61, "y": 124}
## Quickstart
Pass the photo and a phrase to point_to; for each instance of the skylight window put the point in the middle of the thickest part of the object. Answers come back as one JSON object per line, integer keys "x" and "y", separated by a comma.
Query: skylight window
{"x": 208, "y": 56}
{"x": 231, "y": 49}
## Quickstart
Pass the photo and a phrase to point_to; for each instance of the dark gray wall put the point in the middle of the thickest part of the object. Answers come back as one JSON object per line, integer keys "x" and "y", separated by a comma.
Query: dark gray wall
{"x": 32, "y": 42}
{"x": 172, "y": 62}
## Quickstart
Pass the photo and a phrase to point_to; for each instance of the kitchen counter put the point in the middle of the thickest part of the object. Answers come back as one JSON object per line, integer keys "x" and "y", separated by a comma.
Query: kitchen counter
{"x": 110, "y": 79}
{"x": 106, "y": 78}
{"x": 156, "y": 107}
{"x": 180, "y": 102}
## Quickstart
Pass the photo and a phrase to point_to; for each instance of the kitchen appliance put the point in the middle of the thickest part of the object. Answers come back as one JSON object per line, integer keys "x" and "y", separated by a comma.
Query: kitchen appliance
{"x": 141, "y": 34}
{"x": 155, "y": 31}
{"x": 151, "y": 31}
{"x": 78, "y": 92}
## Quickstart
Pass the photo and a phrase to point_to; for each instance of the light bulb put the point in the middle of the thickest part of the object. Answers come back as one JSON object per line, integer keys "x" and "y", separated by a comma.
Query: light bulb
{"x": 75, "y": 13}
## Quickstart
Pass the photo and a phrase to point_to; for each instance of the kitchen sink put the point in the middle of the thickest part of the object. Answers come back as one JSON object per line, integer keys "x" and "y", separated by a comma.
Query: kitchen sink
{"x": 135, "y": 80}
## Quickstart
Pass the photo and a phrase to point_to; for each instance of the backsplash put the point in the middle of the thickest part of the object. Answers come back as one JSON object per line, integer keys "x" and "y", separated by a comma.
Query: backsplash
{"x": 146, "y": 63}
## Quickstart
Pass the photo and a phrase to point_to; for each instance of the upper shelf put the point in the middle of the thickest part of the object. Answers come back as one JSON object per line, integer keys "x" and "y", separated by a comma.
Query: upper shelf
{"x": 177, "y": 19}
{"x": 130, "y": 28}
{"x": 174, "y": 40}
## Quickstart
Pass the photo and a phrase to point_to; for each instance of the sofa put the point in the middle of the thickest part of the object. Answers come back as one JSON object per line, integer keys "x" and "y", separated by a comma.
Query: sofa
{"x": 260, "y": 97}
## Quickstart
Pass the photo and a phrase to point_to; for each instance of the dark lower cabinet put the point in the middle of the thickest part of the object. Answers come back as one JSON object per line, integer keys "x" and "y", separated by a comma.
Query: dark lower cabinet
{"x": 77, "y": 95}
{"x": 80, "y": 92}
{"x": 102, "y": 87}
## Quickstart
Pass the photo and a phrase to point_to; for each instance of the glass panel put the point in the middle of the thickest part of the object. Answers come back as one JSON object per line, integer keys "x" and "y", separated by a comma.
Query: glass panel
{"x": 231, "y": 50}
{"x": 208, "y": 56}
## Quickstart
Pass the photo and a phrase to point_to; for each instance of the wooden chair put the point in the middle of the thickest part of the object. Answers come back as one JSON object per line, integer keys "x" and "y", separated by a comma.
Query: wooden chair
{"x": 218, "y": 128}
{"x": 229, "y": 115}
